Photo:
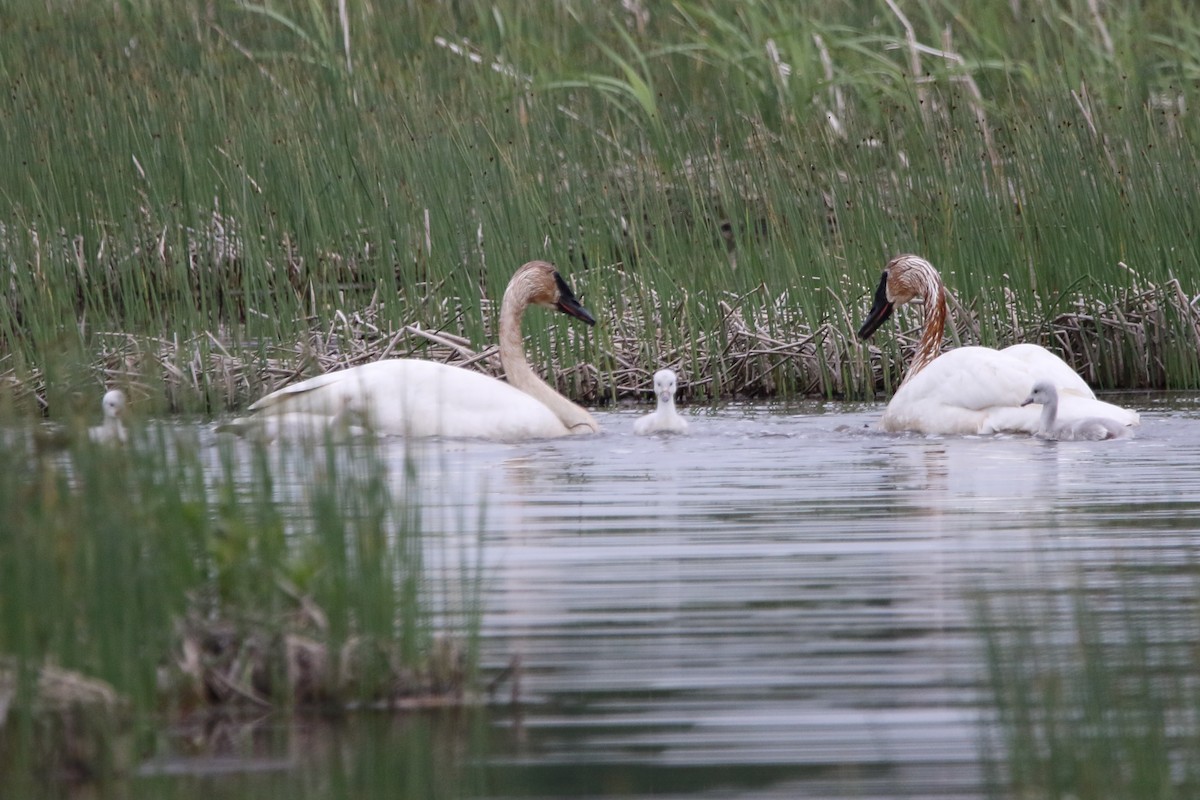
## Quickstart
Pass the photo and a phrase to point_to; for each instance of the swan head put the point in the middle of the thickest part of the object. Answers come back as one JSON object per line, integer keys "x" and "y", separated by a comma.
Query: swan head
{"x": 541, "y": 285}
{"x": 113, "y": 404}
{"x": 664, "y": 386}
{"x": 905, "y": 278}
{"x": 1043, "y": 392}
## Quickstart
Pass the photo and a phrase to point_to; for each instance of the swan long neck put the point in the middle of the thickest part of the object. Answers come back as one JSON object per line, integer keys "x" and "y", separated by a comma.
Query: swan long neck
{"x": 929, "y": 287}
{"x": 512, "y": 356}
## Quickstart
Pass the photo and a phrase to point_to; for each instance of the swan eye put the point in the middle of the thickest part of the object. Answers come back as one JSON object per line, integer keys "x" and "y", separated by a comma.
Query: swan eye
{"x": 567, "y": 303}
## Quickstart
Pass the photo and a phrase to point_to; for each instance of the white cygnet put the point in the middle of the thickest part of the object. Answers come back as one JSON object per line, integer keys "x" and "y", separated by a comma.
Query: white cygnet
{"x": 1086, "y": 429}
{"x": 112, "y": 430}
{"x": 664, "y": 419}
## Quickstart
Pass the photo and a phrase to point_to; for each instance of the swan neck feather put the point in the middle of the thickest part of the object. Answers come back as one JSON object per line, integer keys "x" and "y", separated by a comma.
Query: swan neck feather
{"x": 1049, "y": 413}
{"x": 518, "y": 297}
{"x": 930, "y": 346}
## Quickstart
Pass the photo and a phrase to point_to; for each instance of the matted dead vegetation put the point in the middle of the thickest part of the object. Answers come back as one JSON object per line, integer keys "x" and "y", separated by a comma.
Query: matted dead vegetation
{"x": 228, "y": 664}
{"x": 762, "y": 347}
{"x": 75, "y": 722}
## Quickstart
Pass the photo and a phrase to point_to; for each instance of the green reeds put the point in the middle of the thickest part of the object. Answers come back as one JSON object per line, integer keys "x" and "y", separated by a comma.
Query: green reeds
{"x": 189, "y": 577}
{"x": 218, "y": 186}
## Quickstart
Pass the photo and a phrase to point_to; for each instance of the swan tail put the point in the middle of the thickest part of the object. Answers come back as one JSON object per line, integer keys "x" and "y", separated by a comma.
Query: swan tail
{"x": 289, "y": 394}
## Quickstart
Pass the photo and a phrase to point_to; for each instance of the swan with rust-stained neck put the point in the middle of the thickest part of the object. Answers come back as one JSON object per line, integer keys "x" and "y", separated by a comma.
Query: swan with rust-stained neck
{"x": 971, "y": 390}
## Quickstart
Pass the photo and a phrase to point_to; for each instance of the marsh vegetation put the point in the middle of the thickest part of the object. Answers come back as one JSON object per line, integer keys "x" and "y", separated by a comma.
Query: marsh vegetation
{"x": 169, "y": 579}
{"x": 200, "y": 202}
{"x": 204, "y": 200}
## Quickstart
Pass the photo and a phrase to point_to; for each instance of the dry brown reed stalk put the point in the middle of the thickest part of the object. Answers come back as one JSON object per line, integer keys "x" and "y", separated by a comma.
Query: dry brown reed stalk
{"x": 227, "y": 664}
{"x": 759, "y": 346}
{"x": 746, "y": 354}
{"x": 1147, "y": 318}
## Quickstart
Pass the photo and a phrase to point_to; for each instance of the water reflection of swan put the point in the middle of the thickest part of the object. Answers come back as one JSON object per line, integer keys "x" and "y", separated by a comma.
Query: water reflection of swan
{"x": 112, "y": 429}
{"x": 413, "y": 397}
{"x": 299, "y": 426}
{"x": 970, "y": 389}
{"x": 664, "y": 419}
{"x": 1085, "y": 429}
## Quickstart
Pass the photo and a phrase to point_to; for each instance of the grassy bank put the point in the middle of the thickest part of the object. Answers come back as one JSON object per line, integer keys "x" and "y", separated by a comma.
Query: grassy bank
{"x": 190, "y": 580}
{"x": 205, "y": 199}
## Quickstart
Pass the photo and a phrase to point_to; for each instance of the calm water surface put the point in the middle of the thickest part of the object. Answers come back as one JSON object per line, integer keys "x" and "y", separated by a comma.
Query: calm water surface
{"x": 782, "y": 604}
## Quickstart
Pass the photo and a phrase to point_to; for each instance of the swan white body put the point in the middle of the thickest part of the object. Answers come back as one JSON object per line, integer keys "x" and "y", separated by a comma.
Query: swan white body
{"x": 664, "y": 419}
{"x": 112, "y": 430}
{"x": 1094, "y": 429}
{"x": 972, "y": 390}
{"x": 411, "y": 397}
{"x": 980, "y": 390}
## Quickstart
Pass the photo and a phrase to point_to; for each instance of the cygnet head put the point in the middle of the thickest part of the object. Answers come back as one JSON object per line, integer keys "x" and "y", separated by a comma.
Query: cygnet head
{"x": 1043, "y": 392}
{"x": 664, "y": 386}
{"x": 113, "y": 404}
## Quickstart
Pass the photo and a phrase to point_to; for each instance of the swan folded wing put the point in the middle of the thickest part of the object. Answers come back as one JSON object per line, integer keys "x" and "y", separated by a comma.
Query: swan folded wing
{"x": 476, "y": 409}
{"x": 305, "y": 395}
{"x": 1043, "y": 364}
{"x": 411, "y": 397}
{"x": 959, "y": 392}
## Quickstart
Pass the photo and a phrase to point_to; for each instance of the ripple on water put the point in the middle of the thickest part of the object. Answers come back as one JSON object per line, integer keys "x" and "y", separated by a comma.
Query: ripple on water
{"x": 789, "y": 590}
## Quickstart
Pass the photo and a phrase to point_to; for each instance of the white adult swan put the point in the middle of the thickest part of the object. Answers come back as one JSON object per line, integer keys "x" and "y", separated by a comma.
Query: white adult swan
{"x": 971, "y": 389}
{"x": 411, "y": 397}
{"x": 112, "y": 430}
{"x": 664, "y": 419}
{"x": 1094, "y": 429}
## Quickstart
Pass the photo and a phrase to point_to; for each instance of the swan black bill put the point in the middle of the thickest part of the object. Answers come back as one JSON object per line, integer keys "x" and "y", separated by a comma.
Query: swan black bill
{"x": 880, "y": 311}
{"x": 568, "y": 304}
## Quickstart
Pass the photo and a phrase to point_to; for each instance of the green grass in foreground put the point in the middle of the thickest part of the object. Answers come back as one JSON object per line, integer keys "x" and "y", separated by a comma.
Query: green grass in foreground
{"x": 190, "y": 192}
{"x": 226, "y": 577}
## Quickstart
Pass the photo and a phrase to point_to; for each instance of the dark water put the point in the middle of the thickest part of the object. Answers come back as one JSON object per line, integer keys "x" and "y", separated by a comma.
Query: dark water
{"x": 782, "y": 604}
